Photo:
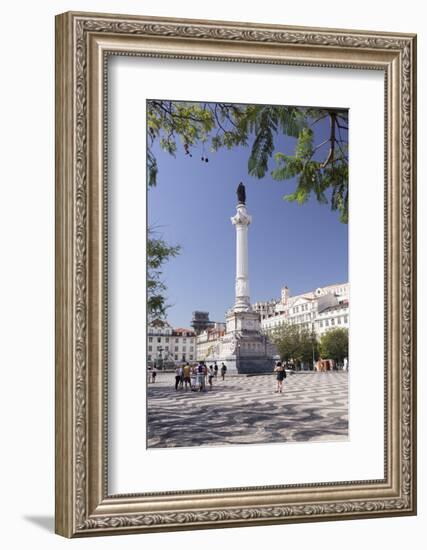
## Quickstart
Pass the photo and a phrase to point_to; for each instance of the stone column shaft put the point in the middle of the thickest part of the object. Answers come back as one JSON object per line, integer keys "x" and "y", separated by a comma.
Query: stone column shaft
{"x": 242, "y": 221}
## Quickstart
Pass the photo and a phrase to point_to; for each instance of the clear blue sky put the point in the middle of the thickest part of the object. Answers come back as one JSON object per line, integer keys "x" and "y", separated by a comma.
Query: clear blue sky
{"x": 302, "y": 247}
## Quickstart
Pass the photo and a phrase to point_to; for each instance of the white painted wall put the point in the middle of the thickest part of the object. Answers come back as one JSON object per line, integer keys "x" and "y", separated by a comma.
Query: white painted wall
{"x": 27, "y": 267}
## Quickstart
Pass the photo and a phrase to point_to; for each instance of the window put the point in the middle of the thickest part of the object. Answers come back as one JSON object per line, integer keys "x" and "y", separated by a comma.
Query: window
{"x": 149, "y": 357}
{"x": 176, "y": 348}
{"x": 339, "y": 320}
{"x": 166, "y": 348}
{"x": 184, "y": 339}
{"x": 167, "y": 339}
{"x": 191, "y": 357}
{"x": 176, "y": 357}
{"x": 176, "y": 340}
{"x": 184, "y": 348}
{"x": 191, "y": 348}
{"x": 326, "y": 322}
{"x": 346, "y": 319}
{"x": 150, "y": 348}
{"x": 150, "y": 339}
{"x": 320, "y": 324}
{"x": 159, "y": 339}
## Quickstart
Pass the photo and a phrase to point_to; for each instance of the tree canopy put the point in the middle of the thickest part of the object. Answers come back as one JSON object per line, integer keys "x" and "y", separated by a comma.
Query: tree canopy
{"x": 294, "y": 343}
{"x": 334, "y": 344}
{"x": 158, "y": 252}
{"x": 318, "y": 168}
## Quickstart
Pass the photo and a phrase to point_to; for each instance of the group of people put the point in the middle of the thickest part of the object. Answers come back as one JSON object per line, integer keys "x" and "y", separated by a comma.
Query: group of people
{"x": 194, "y": 377}
{"x": 199, "y": 376}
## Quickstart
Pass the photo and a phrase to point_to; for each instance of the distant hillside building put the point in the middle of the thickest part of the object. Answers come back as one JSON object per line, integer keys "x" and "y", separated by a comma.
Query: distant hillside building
{"x": 200, "y": 321}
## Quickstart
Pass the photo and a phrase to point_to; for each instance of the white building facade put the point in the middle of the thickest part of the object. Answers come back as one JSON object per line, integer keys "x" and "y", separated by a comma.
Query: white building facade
{"x": 332, "y": 317}
{"x": 207, "y": 340}
{"x": 166, "y": 345}
{"x": 318, "y": 310}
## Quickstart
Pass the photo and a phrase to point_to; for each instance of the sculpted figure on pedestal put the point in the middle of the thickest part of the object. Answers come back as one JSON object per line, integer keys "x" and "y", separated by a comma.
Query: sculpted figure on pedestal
{"x": 241, "y": 193}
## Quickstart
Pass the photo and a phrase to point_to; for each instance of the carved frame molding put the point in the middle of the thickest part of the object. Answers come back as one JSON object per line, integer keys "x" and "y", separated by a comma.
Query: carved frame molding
{"x": 83, "y": 43}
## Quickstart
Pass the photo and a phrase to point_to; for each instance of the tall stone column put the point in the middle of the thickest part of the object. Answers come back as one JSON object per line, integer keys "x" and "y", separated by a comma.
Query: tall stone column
{"x": 241, "y": 221}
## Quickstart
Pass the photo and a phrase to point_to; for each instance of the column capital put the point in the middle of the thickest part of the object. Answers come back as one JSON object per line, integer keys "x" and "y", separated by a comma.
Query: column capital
{"x": 241, "y": 217}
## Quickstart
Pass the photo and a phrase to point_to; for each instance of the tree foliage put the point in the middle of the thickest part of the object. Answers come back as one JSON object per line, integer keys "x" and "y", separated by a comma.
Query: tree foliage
{"x": 334, "y": 344}
{"x": 158, "y": 252}
{"x": 320, "y": 169}
{"x": 295, "y": 344}
{"x": 169, "y": 120}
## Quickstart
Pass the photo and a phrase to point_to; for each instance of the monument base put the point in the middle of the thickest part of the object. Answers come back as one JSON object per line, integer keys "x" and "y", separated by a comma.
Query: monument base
{"x": 244, "y": 365}
{"x": 255, "y": 365}
{"x": 243, "y": 349}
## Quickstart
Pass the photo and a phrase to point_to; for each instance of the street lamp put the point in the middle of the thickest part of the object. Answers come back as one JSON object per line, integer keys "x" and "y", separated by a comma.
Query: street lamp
{"x": 312, "y": 342}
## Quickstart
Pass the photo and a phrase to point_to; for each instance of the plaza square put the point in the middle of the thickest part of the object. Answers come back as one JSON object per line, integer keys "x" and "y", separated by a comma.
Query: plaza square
{"x": 245, "y": 409}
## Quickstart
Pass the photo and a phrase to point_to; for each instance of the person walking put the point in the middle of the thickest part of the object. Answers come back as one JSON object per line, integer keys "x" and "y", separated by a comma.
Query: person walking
{"x": 153, "y": 374}
{"x": 187, "y": 375}
{"x": 201, "y": 376}
{"x": 211, "y": 375}
{"x": 223, "y": 370}
{"x": 178, "y": 374}
{"x": 215, "y": 370}
{"x": 193, "y": 380}
{"x": 181, "y": 381}
{"x": 280, "y": 375}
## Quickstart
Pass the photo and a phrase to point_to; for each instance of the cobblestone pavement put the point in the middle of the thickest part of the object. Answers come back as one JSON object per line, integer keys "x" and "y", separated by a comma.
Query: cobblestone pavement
{"x": 242, "y": 410}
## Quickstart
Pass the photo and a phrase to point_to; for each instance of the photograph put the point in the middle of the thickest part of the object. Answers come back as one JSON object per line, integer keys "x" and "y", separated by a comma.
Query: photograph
{"x": 248, "y": 291}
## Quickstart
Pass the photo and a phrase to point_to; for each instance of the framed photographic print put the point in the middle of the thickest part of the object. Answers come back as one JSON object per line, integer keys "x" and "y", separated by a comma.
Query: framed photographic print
{"x": 235, "y": 274}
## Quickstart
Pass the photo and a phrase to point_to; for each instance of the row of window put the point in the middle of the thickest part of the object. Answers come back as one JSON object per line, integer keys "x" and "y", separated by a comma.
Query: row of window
{"x": 159, "y": 339}
{"x": 336, "y": 310}
{"x": 339, "y": 321}
{"x": 304, "y": 318}
{"x": 302, "y": 307}
{"x": 166, "y": 348}
{"x": 161, "y": 332}
{"x": 294, "y": 321}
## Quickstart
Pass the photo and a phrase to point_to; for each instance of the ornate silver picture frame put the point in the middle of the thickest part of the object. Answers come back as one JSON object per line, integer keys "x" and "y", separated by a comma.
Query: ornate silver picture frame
{"x": 84, "y": 42}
